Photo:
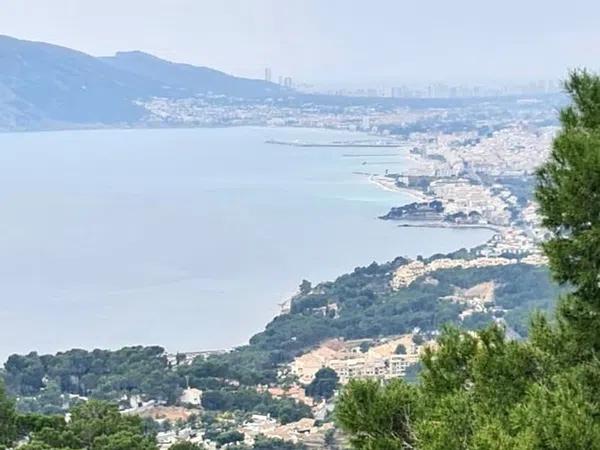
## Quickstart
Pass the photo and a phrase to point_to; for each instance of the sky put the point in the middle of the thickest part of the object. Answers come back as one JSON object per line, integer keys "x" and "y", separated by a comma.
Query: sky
{"x": 337, "y": 41}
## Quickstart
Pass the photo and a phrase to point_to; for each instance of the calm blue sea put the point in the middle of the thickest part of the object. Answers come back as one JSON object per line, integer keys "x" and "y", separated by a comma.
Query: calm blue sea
{"x": 183, "y": 238}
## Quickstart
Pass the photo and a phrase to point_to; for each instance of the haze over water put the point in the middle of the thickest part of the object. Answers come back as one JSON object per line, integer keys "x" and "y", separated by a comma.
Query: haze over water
{"x": 183, "y": 238}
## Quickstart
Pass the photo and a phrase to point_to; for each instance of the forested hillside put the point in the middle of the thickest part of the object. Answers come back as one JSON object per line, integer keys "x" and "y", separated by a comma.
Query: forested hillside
{"x": 360, "y": 304}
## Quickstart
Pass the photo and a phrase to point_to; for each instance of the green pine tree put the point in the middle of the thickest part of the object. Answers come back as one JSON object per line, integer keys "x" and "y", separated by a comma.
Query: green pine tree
{"x": 8, "y": 419}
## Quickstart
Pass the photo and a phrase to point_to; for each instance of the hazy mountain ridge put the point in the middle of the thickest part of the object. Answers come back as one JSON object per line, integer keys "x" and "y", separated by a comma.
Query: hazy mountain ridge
{"x": 188, "y": 79}
{"x": 46, "y": 86}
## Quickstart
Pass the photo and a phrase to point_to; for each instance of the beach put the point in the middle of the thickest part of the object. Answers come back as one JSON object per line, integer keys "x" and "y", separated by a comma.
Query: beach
{"x": 390, "y": 185}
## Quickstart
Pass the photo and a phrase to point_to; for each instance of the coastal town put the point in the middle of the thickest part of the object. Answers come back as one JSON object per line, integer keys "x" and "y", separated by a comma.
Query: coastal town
{"x": 384, "y": 359}
{"x": 480, "y": 177}
{"x": 268, "y": 225}
{"x": 483, "y": 184}
{"x": 476, "y": 159}
{"x": 460, "y": 166}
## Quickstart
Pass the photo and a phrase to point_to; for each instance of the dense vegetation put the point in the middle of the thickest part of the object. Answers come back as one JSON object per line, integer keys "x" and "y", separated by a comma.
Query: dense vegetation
{"x": 483, "y": 391}
{"x": 94, "y": 425}
{"x": 367, "y": 307}
{"x": 99, "y": 425}
{"x": 249, "y": 400}
{"x": 263, "y": 443}
{"x": 41, "y": 382}
{"x": 100, "y": 374}
{"x": 475, "y": 391}
{"x": 185, "y": 445}
{"x": 324, "y": 384}
{"x": 360, "y": 304}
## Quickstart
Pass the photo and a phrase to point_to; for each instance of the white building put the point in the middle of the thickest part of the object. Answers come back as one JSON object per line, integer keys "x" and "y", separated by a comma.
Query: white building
{"x": 191, "y": 396}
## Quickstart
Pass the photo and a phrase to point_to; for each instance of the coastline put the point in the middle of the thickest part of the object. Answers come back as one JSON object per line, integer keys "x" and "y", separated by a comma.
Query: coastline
{"x": 389, "y": 185}
{"x": 457, "y": 226}
{"x": 171, "y": 344}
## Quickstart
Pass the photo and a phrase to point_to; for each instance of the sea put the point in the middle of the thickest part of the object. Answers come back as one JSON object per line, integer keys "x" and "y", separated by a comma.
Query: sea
{"x": 185, "y": 238}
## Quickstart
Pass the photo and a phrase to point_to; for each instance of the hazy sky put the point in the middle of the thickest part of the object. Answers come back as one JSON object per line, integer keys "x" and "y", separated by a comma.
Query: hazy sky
{"x": 320, "y": 40}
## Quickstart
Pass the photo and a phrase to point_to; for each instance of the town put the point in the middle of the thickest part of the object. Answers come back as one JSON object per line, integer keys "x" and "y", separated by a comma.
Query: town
{"x": 464, "y": 163}
{"x": 473, "y": 170}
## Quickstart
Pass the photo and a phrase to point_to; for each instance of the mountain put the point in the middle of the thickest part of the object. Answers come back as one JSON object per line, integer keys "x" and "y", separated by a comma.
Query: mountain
{"x": 44, "y": 86}
{"x": 188, "y": 79}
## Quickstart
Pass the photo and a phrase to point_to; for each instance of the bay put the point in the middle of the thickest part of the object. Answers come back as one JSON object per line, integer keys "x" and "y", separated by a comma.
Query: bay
{"x": 185, "y": 238}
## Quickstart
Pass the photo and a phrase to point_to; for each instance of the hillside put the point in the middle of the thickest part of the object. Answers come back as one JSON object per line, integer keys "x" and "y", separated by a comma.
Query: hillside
{"x": 361, "y": 304}
{"x": 44, "y": 86}
{"x": 255, "y": 387}
{"x": 185, "y": 79}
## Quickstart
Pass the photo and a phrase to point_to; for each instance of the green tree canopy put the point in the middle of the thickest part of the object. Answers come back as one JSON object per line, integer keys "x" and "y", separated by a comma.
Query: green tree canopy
{"x": 94, "y": 425}
{"x": 264, "y": 443}
{"x": 186, "y": 446}
{"x": 400, "y": 349}
{"x": 569, "y": 199}
{"x": 8, "y": 419}
{"x": 305, "y": 287}
{"x": 323, "y": 385}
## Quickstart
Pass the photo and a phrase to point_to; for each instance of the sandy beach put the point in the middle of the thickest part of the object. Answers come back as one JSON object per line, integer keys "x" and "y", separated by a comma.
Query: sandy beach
{"x": 388, "y": 184}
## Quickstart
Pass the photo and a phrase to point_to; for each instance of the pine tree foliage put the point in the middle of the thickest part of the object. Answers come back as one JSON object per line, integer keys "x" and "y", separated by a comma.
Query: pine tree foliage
{"x": 8, "y": 419}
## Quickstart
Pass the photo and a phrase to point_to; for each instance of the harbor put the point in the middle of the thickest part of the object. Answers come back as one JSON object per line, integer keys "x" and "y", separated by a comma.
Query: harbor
{"x": 375, "y": 144}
